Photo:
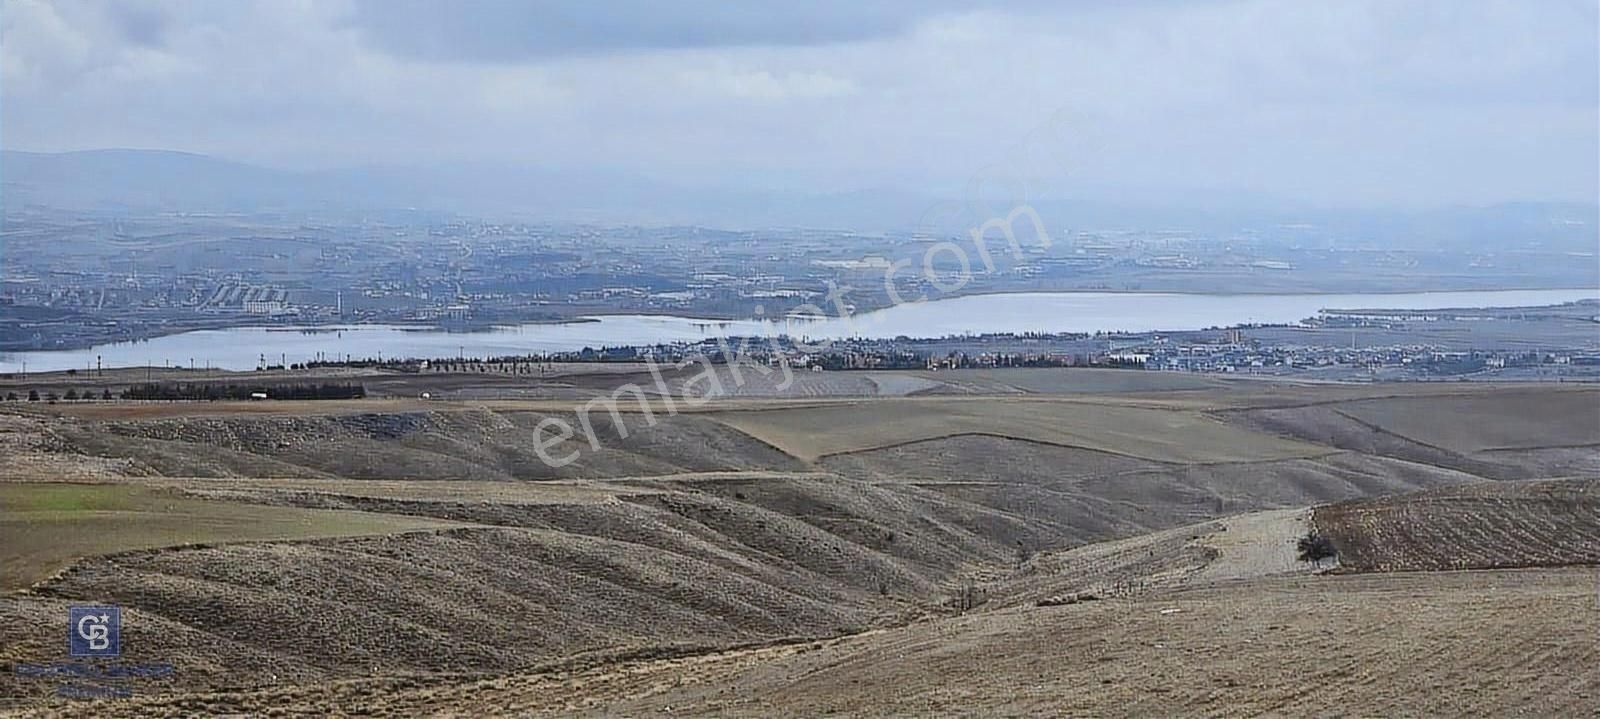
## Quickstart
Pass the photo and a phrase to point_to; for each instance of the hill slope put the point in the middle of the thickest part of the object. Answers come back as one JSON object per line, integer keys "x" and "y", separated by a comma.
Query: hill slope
{"x": 696, "y": 561}
{"x": 1475, "y": 526}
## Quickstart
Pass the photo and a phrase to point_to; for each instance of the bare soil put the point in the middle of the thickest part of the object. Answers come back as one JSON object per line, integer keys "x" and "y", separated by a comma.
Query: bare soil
{"x": 1476, "y": 526}
{"x": 1416, "y": 644}
{"x": 1000, "y": 549}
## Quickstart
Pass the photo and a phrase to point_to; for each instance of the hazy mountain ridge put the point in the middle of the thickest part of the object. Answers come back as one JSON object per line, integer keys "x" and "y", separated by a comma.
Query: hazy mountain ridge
{"x": 118, "y": 180}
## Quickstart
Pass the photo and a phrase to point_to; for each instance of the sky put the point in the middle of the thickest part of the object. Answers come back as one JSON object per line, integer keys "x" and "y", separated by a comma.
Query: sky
{"x": 1352, "y": 104}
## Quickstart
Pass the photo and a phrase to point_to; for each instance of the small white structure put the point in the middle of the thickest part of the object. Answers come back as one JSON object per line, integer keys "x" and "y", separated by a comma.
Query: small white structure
{"x": 265, "y": 307}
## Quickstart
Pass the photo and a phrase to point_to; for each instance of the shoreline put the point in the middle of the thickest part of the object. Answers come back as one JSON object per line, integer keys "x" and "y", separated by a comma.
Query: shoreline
{"x": 716, "y": 318}
{"x": 224, "y": 326}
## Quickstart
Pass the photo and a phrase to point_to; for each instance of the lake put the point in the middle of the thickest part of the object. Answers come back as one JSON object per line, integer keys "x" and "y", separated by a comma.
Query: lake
{"x": 243, "y": 348}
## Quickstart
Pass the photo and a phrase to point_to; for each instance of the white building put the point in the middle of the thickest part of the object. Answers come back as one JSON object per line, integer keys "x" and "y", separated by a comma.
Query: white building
{"x": 264, "y": 307}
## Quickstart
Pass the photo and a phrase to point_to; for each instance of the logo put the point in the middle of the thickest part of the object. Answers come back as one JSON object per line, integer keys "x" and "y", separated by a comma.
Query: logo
{"x": 94, "y": 631}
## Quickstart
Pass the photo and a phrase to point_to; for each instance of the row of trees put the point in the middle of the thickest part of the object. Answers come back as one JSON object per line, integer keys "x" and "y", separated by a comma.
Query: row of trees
{"x": 71, "y": 395}
{"x": 220, "y": 391}
{"x": 201, "y": 391}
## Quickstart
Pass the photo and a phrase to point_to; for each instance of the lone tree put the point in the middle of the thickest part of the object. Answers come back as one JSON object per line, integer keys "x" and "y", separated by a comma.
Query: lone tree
{"x": 1316, "y": 547}
{"x": 33, "y": 395}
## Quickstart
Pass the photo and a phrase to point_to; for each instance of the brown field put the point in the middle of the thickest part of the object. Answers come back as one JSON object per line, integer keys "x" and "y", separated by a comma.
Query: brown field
{"x": 1001, "y": 544}
{"x": 1475, "y": 643}
{"x": 1497, "y": 432}
{"x": 1476, "y": 526}
{"x": 1529, "y": 421}
{"x": 1155, "y": 434}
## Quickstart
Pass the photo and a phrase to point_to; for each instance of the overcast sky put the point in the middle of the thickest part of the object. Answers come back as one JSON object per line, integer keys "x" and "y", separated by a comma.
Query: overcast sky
{"x": 1345, "y": 103}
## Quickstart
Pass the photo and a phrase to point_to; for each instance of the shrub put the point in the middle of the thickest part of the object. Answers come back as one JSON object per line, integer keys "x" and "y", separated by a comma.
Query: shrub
{"x": 1316, "y": 547}
{"x": 969, "y": 598}
{"x": 1068, "y": 600}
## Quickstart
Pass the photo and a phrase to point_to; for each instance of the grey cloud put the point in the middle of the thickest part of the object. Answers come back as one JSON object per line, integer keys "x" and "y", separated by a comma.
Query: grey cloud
{"x": 142, "y": 24}
{"x": 509, "y": 30}
{"x": 1360, "y": 102}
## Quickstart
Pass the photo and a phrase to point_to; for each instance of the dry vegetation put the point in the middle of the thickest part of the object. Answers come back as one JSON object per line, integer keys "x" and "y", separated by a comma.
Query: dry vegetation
{"x": 1480, "y": 423}
{"x": 990, "y": 554}
{"x": 1155, "y": 434}
{"x": 1495, "y": 433}
{"x": 1477, "y": 526}
{"x": 1480, "y": 643}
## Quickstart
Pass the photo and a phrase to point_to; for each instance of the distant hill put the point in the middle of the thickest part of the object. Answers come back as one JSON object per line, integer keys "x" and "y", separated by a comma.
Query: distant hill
{"x": 137, "y": 179}
{"x": 123, "y": 180}
{"x": 143, "y": 180}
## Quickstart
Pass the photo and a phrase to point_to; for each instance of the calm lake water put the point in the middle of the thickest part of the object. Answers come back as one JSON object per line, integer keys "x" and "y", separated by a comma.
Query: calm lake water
{"x": 243, "y": 348}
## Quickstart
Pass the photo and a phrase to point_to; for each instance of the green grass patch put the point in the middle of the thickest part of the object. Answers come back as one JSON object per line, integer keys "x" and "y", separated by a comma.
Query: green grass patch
{"x": 64, "y": 498}
{"x": 44, "y": 527}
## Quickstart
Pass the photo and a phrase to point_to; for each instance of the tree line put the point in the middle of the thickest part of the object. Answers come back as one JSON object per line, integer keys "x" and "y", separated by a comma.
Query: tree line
{"x": 220, "y": 391}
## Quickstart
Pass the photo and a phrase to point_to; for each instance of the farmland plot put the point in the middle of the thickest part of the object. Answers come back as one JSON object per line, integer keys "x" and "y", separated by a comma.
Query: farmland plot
{"x": 1476, "y": 526}
{"x": 44, "y": 527}
{"x": 810, "y": 433}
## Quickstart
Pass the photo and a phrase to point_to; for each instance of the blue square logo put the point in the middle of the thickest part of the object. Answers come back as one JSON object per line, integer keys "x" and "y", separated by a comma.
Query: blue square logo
{"x": 94, "y": 631}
